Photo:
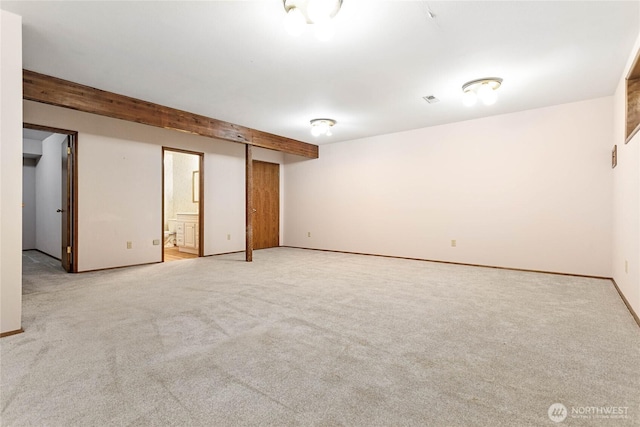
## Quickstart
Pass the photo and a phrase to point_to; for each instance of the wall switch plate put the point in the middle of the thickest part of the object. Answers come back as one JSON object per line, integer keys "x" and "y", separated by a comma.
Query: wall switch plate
{"x": 454, "y": 243}
{"x": 228, "y": 236}
{"x": 308, "y": 234}
{"x": 156, "y": 242}
{"x": 626, "y": 266}
{"x": 129, "y": 245}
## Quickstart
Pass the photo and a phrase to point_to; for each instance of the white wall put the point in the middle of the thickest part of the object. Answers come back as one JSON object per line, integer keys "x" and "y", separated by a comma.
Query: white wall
{"x": 120, "y": 187}
{"x": 11, "y": 172}
{"x": 527, "y": 190}
{"x": 28, "y": 203}
{"x": 31, "y": 148}
{"x": 49, "y": 196}
{"x": 224, "y": 199}
{"x": 626, "y": 199}
{"x": 119, "y": 190}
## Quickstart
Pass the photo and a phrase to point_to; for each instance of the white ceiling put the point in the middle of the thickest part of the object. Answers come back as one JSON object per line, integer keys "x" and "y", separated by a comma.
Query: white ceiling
{"x": 232, "y": 60}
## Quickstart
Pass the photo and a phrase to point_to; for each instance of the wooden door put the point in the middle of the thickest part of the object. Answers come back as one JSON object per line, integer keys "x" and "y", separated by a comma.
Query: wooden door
{"x": 266, "y": 205}
{"x": 65, "y": 205}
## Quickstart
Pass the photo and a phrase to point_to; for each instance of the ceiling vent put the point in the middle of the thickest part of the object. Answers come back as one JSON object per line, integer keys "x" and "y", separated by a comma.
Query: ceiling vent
{"x": 431, "y": 99}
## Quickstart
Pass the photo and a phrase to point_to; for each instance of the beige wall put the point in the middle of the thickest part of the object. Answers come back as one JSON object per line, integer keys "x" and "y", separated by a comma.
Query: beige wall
{"x": 527, "y": 190}
{"x": 10, "y": 172}
{"x": 531, "y": 189}
{"x": 626, "y": 199}
{"x": 120, "y": 187}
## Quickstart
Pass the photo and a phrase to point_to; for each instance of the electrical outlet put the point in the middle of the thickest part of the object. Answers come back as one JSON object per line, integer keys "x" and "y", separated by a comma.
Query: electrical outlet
{"x": 308, "y": 234}
{"x": 454, "y": 243}
{"x": 156, "y": 242}
{"x": 129, "y": 245}
{"x": 228, "y": 236}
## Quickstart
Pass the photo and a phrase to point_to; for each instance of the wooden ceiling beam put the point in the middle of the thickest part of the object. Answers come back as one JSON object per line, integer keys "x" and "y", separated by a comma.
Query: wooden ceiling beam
{"x": 63, "y": 93}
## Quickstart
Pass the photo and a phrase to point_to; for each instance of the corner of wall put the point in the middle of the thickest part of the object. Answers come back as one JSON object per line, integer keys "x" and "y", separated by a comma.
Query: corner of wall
{"x": 10, "y": 173}
{"x": 626, "y": 199}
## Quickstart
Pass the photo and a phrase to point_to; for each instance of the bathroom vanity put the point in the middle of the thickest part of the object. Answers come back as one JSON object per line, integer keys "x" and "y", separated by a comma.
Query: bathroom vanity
{"x": 188, "y": 233}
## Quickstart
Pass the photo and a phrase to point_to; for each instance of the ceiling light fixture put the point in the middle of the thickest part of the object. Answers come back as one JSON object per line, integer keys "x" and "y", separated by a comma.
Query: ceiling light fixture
{"x": 482, "y": 89}
{"x": 316, "y": 12}
{"x": 322, "y": 126}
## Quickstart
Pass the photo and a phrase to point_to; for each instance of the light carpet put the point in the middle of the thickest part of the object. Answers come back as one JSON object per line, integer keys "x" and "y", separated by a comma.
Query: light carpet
{"x": 312, "y": 338}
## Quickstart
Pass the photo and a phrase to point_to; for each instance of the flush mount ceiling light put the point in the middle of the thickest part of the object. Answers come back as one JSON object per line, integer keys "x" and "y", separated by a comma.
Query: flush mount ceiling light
{"x": 482, "y": 89}
{"x": 315, "y": 12}
{"x": 322, "y": 126}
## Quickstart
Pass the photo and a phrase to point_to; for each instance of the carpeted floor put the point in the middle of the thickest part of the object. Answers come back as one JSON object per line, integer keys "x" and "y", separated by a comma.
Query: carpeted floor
{"x": 314, "y": 338}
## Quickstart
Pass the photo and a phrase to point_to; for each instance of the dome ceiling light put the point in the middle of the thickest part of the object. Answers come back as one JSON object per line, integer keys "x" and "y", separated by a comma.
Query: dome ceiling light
{"x": 314, "y": 12}
{"x": 482, "y": 89}
{"x": 322, "y": 127}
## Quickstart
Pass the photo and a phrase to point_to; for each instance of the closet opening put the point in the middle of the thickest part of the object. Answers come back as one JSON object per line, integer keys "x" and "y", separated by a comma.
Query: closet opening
{"x": 50, "y": 194}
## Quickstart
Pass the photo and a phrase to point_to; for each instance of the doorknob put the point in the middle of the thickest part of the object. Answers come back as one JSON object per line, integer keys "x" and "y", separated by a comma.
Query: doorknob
{"x": 59, "y": 210}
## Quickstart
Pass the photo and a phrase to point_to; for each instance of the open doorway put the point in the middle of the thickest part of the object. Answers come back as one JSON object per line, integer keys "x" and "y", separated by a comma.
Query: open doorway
{"x": 49, "y": 193}
{"x": 182, "y": 204}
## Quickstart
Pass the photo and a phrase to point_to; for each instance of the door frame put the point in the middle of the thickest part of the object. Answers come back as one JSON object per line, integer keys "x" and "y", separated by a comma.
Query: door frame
{"x": 200, "y": 196}
{"x": 72, "y": 176}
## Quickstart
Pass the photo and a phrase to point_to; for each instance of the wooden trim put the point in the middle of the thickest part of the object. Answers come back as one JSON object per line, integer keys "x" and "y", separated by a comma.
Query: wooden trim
{"x": 634, "y": 70}
{"x": 48, "y": 129}
{"x": 201, "y": 205}
{"x": 455, "y": 263}
{"x": 74, "y": 187}
{"x": 163, "y": 219}
{"x": 8, "y": 334}
{"x": 180, "y": 150}
{"x": 632, "y": 134}
{"x": 249, "y": 203}
{"x": 74, "y": 155}
{"x": 224, "y": 253}
{"x": 632, "y": 99}
{"x": 626, "y": 302}
{"x": 63, "y": 93}
{"x": 119, "y": 267}
{"x": 280, "y": 143}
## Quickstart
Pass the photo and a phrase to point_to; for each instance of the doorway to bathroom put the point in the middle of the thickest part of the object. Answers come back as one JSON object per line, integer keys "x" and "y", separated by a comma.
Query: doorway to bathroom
{"x": 182, "y": 204}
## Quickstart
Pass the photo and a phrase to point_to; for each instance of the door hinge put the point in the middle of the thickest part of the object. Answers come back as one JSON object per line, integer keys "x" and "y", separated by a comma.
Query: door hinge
{"x": 68, "y": 150}
{"x": 68, "y": 249}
